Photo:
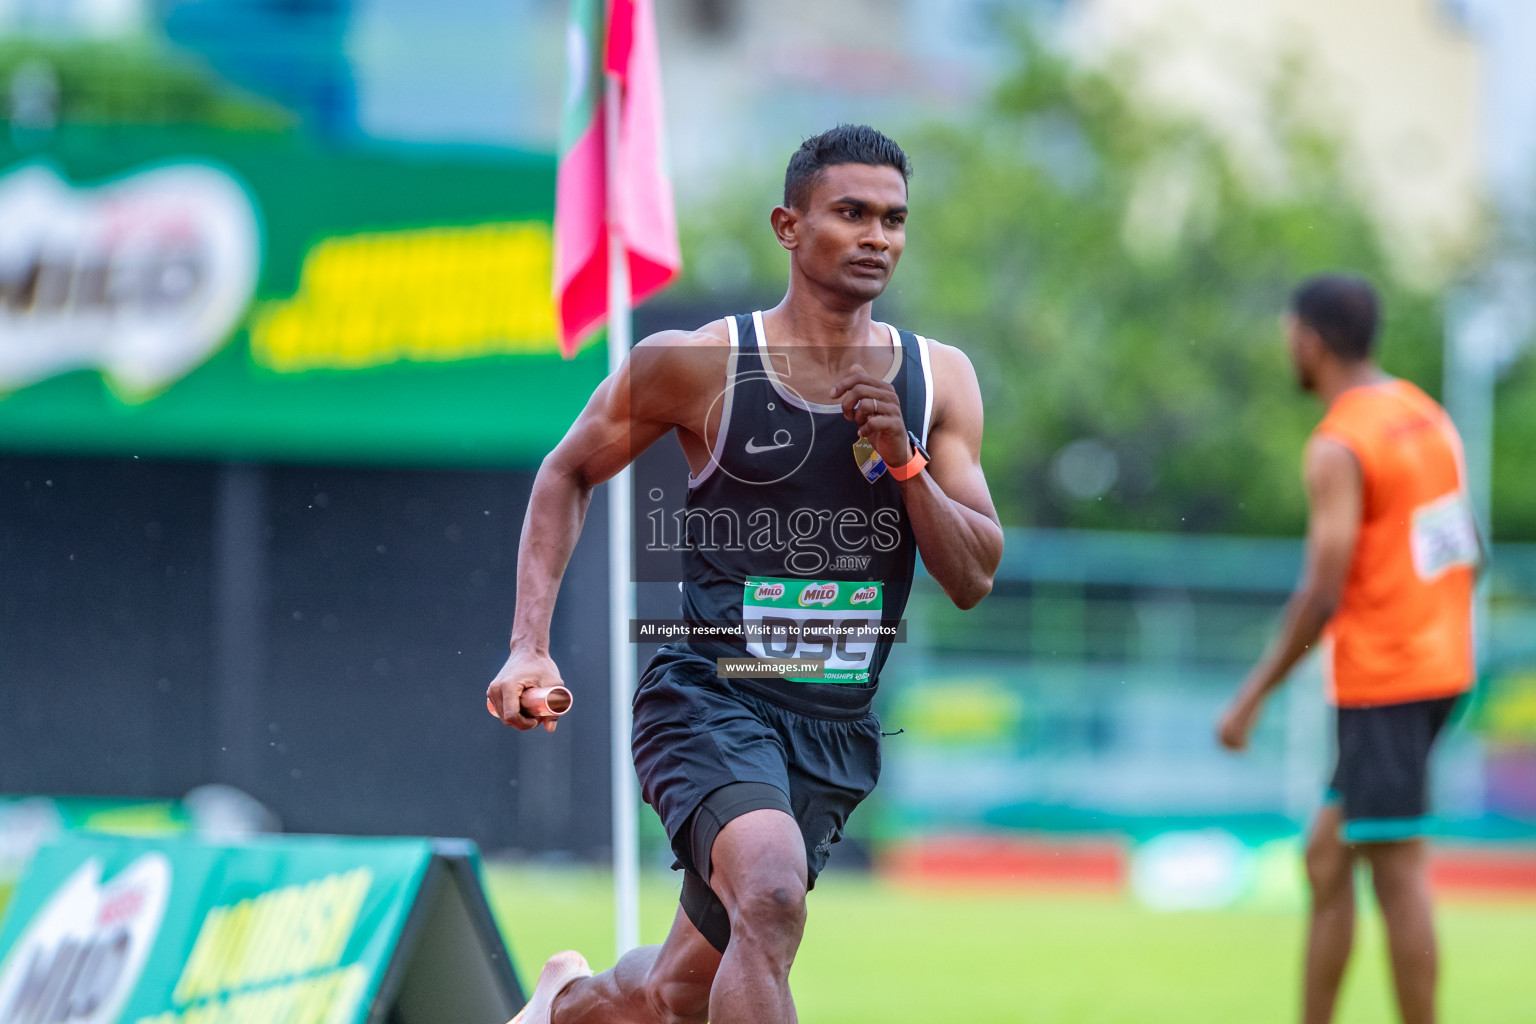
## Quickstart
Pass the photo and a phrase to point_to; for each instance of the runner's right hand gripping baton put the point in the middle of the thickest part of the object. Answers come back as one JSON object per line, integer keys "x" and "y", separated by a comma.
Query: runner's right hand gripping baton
{"x": 542, "y": 702}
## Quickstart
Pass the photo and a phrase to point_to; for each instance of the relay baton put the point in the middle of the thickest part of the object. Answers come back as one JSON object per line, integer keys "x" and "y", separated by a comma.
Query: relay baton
{"x": 542, "y": 702}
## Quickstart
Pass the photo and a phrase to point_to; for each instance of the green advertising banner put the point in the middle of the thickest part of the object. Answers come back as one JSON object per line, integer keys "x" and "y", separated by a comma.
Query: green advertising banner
{"x": 293, "y": 929}
{"x": 203, "y": 293}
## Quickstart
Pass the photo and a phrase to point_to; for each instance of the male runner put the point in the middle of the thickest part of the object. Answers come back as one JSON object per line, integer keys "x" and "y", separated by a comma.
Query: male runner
{"x": 826, "y": 450}
{"x": 1391, "y": 552}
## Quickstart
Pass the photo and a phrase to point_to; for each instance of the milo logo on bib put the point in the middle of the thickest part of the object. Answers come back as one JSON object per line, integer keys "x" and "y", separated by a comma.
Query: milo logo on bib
{"x": 835, "y": 621}
{"x": 818, "y": 593}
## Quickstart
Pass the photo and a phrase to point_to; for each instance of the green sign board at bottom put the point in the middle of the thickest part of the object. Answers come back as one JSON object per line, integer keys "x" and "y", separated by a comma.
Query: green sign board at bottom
{"x": 286, "y": 930}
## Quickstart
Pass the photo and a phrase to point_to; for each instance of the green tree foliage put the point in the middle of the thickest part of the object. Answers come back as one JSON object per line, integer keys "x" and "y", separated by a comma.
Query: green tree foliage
{"x": 1514, "y": 454}
{"x": 1117, "y": 279}
{"x": 133, "y": 82}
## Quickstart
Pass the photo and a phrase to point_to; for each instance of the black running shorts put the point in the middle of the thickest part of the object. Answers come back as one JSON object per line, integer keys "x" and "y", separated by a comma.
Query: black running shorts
{"x": 1382, "y": 775}
{"x": 697, "y": 740}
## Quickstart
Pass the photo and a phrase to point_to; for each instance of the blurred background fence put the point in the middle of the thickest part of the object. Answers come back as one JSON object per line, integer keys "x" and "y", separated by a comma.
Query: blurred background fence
{"x": 1082, "y": 696}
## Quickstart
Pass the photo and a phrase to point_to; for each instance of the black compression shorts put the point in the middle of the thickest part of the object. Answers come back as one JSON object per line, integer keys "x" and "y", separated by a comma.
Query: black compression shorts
{"x": 696, "y": 738}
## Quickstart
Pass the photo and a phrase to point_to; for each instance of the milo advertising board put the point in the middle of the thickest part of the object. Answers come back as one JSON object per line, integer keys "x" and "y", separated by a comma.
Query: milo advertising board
{"x": 323, "y": 931}
{"x": 192, "y": 292}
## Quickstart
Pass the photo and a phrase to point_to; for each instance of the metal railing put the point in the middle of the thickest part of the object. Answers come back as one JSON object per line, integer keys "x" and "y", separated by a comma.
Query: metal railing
{"x": 1083, "y": 694}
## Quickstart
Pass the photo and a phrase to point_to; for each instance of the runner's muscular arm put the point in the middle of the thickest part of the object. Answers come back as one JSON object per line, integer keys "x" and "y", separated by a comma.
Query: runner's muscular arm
{"x": 627, "y": 413}
{"x": 948, "y": 504}
{"x": 1335, "y": 494}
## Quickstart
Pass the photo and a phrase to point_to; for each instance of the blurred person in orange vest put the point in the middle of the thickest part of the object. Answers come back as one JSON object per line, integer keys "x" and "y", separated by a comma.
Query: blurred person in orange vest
{"x": 1392, "y": 549}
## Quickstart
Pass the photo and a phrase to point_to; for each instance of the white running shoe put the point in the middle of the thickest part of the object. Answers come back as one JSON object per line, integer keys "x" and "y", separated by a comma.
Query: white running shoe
{"x": 559, "y": 971}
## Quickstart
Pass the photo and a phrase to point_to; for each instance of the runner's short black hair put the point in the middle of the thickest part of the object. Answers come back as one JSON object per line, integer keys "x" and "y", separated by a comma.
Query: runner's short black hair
{"x": 845, "y": 144}
{"x": 1343, "y": 310}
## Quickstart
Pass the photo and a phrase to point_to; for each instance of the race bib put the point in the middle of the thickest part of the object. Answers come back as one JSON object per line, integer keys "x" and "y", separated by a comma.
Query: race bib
{"x": 1443, "y": 536}
{"x": 835, "y": 621}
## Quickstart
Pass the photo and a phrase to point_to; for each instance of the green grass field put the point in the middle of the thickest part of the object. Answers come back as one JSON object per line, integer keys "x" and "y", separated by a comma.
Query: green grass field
{"x": 899, "y": 955}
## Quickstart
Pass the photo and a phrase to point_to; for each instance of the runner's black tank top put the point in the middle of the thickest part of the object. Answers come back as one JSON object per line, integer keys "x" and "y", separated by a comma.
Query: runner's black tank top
{"x": 783, "y": 529}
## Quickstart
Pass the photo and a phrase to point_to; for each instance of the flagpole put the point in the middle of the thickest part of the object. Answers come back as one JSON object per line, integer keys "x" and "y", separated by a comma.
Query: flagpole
{"x": 621, "y": 588}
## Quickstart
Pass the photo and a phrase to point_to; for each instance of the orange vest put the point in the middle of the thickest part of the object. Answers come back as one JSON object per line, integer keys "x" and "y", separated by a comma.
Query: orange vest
{"x": 1403, "y": 628}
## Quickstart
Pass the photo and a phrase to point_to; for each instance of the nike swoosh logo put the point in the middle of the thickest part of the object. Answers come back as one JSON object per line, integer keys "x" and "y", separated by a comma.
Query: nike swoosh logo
{"x": 754, "y": 449}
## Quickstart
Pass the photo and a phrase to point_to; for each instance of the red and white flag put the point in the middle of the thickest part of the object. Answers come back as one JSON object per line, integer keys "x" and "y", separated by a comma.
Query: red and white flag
{"x": 618, "y": 39}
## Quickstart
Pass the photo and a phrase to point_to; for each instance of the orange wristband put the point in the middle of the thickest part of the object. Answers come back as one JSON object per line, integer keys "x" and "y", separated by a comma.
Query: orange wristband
{"x": 914, "y": 466}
